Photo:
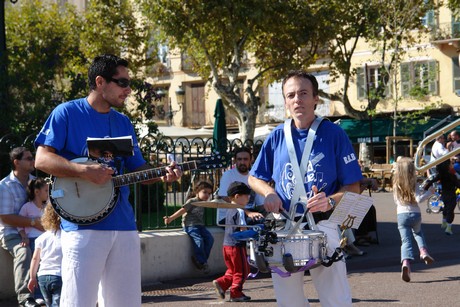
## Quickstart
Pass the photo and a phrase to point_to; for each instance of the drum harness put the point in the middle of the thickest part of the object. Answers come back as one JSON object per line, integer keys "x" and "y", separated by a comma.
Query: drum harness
{"x": 299, "y": 190}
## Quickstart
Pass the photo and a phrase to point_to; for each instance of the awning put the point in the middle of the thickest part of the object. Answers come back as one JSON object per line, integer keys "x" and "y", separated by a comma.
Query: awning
{"x": 358, "y": 130}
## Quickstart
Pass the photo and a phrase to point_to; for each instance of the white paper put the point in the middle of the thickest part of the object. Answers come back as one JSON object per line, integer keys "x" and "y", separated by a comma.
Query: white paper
{"x": 127, "y": 137}
{"x": 351, "y": 210}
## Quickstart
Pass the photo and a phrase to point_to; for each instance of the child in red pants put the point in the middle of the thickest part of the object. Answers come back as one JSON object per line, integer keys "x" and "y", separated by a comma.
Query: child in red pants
{"x": 234, "y": 251}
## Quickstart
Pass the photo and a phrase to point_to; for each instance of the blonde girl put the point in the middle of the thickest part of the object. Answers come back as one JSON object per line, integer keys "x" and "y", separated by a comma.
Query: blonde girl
{"x": 45, "y": 267}
{"x": 407, "y": 196}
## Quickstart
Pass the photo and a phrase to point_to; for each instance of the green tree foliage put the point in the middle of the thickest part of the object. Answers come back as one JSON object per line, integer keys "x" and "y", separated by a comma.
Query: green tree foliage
{"x": 454, "y": 5}
{"x": 50, "y": 47}
{"x": 42, "y": 46}
{"x": 218, "y": 34}
{"x": 111, "y": 26}
{"x": 388, "y": 25}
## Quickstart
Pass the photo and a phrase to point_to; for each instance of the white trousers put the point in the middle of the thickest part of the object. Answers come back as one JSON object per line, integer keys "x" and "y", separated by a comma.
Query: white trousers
{"x": 100, "y": 267}
{"x": 331, "y": 283}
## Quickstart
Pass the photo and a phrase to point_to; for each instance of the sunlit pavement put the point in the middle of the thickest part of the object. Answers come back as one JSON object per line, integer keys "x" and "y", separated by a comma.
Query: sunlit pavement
{"x": 375, "y": 278}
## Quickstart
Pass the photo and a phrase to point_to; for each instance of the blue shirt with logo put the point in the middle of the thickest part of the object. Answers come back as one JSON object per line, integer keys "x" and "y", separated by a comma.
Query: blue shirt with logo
{"x": 332, "y": 164}
{"x": 67, "y": 129}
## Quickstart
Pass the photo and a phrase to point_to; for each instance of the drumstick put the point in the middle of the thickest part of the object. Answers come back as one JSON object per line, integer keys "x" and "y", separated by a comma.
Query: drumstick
{"x": 310, "y": 222}
{"x": 283, "y": 213}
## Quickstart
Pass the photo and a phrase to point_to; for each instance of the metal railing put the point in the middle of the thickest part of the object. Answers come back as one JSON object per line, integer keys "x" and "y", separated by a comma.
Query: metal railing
{"x": 445, "y": 31}
{"x": 152, "y": 202}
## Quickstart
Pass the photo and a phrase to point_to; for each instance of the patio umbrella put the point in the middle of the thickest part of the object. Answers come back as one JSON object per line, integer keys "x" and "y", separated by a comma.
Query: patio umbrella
{"x": 220, "y": 128}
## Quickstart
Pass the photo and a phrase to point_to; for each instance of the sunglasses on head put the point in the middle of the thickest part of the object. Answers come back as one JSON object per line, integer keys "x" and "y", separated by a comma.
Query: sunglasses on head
{"x": 122, "y": 82}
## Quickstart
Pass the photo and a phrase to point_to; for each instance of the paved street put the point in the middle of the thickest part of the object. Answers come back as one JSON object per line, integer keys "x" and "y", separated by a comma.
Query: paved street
{"x": 375, "y": 277}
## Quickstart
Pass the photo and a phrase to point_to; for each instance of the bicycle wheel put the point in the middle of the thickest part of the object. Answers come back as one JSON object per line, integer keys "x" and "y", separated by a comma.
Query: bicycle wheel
{"x": 435, "y": 204}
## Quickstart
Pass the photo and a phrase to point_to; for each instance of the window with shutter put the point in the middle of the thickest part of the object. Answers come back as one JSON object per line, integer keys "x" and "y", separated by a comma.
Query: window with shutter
{"x": 456, "y": 73}
{"x": 374, "y": 79}
{"x": 419, "y": 78}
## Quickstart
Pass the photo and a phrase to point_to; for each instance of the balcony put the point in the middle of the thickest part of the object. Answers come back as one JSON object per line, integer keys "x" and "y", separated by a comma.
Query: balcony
{"x": 446, "y": 34}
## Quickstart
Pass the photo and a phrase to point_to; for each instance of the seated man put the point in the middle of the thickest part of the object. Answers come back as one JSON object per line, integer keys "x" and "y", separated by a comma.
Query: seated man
{"x": 367, "y": 231}
{"x": 368, "y": 183}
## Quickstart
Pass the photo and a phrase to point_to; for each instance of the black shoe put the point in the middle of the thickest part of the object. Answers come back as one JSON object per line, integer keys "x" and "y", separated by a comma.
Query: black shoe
{"x": 198, "y": 265}
{"x": 243, "y": 298}
{"x": 30, "y": 302}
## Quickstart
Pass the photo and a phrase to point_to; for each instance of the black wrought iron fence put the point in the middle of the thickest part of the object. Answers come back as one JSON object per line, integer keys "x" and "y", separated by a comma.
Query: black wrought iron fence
{"x": 152, "y": 202}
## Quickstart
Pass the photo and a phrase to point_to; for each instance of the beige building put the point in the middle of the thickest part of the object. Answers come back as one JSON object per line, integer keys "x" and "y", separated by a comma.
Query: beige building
{"x": 429, "y": 74}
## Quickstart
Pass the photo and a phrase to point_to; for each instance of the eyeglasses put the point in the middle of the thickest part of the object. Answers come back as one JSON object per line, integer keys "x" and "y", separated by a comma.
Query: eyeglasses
{"x": 28, "y": 158}
{"x": 122, "y": 82}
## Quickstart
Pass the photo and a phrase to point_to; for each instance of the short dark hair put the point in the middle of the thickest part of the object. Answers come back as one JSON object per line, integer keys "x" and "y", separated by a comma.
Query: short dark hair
{"x": 201, "y": 185}
{"x": 441, "y": 136}
{"x": 17, "y": 154}
{"x": 105, "y": 66}
{"x": 304, "y": 75}
{"x": 237, "y": 150}
{"x": 238, "y": 187}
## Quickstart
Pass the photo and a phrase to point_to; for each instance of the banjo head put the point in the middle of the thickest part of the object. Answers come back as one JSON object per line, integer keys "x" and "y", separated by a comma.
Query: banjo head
{"x": 80, "y": 201}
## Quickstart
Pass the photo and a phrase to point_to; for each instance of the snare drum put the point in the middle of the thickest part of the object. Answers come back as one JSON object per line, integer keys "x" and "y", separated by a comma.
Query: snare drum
{"x": 303, "y": 247}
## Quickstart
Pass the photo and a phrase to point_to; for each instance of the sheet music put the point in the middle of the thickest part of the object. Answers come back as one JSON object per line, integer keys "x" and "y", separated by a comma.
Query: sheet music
{"x": 351, "y": 210}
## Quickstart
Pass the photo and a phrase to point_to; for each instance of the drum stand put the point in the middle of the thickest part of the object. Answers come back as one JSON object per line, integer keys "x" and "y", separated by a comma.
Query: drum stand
{"x": 347, "y": 224}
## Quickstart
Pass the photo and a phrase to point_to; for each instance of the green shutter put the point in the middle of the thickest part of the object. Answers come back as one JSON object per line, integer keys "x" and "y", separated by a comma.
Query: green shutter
{"x": 405, "y": 79}
{"x": 456, "y": 73}
{"x": 361, "y": 83}
{"x": 433, "y": 77}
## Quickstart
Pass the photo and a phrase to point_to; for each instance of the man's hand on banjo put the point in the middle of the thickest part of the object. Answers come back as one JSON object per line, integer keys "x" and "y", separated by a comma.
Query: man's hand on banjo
{"x": 173, "y": 173}
{"x": 97, "y": 173}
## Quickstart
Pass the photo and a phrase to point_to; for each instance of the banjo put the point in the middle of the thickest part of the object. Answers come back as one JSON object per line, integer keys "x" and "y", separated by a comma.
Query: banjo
{"x": 83, "y": 202}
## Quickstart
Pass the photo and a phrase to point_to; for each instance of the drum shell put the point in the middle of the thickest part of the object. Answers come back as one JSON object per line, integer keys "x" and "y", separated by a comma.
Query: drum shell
{"x": 302, "y": 246}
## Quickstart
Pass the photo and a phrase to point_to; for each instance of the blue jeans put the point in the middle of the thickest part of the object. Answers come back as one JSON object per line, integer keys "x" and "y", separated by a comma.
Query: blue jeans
{"x": 410, "y": 224}
{"x": 50, "y": 286}
{"x": 202, "y": 241}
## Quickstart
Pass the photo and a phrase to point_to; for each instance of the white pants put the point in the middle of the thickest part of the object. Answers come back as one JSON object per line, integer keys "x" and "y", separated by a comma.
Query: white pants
{"x": 104, "y": 260}
{"x": 331, "y": 283}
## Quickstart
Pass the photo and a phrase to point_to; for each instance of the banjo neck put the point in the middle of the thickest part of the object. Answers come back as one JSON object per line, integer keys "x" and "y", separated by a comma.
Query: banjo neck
{"x": 146, "y": 175}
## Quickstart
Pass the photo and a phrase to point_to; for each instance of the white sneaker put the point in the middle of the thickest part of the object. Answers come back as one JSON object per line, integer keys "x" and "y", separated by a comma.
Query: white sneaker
{"x": 40, "y": 301}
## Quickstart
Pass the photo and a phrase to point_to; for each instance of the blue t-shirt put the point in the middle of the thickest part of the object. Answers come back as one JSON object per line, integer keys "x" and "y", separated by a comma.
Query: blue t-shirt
{"x": 67, "y": 129}
{"x": 332, "y": 162}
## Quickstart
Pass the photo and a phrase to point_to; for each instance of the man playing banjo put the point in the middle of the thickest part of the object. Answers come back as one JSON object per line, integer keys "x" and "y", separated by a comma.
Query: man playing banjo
{"x": 106, "y": 252}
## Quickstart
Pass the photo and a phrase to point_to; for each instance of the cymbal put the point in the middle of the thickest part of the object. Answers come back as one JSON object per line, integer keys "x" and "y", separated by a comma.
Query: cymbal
{"x": 216, "y": 204}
